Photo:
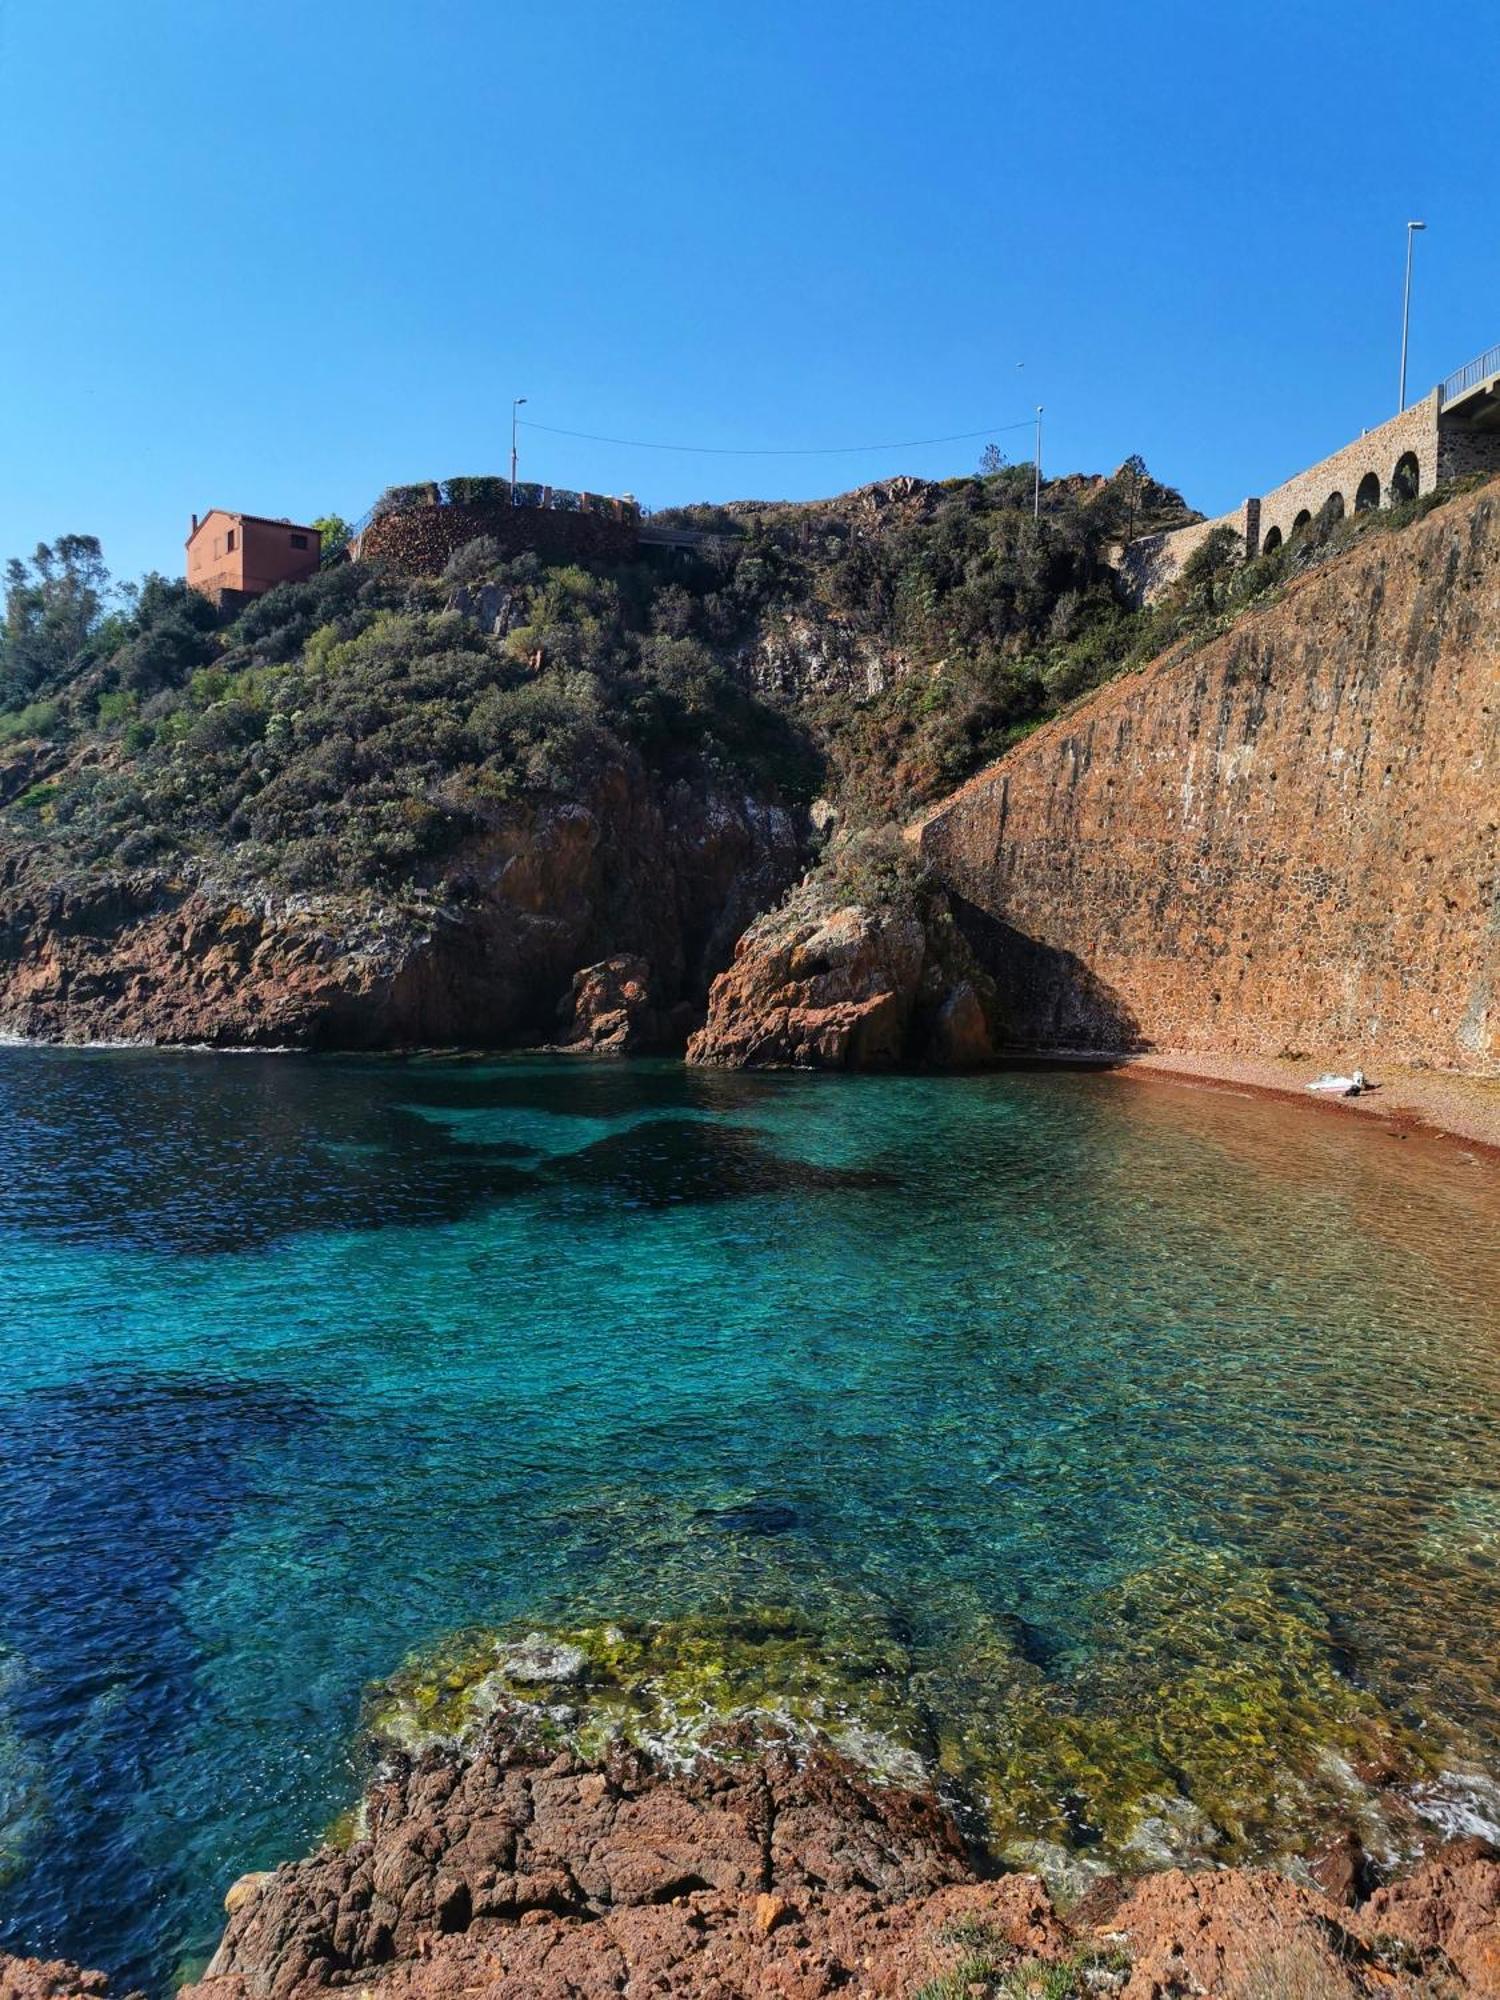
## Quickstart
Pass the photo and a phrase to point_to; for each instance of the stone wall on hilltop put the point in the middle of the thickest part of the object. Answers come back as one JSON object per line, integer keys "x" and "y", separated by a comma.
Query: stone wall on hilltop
{"x": 1285, "y": 841}
{"x": 417, "y": 541}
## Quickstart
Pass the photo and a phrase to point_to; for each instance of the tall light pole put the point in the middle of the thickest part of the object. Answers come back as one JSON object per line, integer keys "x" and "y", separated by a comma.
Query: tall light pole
{"x": 516, "y": 403}
{"x": 1411, "y": 230}
{"x": 1036, "y": 486}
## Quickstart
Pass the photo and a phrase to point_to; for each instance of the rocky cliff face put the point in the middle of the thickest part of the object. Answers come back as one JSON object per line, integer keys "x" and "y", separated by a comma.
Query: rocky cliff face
{"x": 796, "y": 659}
{"x": 483, "y": 953}
{"x": 1285, "y": 841}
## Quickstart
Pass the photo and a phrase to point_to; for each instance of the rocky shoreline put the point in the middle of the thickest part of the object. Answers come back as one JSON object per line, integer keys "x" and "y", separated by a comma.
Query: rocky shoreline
{"x": 767, "y": 1866}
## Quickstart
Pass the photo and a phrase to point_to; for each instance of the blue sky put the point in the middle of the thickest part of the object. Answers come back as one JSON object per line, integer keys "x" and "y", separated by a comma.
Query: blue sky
{"x": 276, "y": 258}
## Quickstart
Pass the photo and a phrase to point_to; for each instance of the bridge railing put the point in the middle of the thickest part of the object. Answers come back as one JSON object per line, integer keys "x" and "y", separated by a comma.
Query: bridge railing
{"x": 1477, "y": 370}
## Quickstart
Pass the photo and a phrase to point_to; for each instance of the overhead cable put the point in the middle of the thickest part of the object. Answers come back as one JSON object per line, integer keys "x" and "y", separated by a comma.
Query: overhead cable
{"x": 777, "y": 451}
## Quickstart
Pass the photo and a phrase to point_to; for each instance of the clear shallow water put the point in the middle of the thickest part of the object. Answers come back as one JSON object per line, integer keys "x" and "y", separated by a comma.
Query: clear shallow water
{"x": 1097, "y": 1400}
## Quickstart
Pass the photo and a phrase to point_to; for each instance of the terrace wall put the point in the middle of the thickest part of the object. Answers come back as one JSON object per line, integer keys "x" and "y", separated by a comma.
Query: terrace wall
{"x": 417, "y": 541}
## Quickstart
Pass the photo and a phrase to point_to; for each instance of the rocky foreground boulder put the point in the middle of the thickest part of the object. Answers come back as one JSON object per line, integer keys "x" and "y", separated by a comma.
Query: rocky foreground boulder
{"x": 768, "y": 1867}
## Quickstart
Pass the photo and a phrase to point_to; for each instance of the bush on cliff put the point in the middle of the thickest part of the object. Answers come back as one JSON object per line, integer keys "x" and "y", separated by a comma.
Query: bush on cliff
{"x": 348, "y": 730}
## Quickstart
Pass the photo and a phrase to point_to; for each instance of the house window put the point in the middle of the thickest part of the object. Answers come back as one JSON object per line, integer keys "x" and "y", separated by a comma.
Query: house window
{"x": 299, "y": 541}
{"x": 229, "y": 540}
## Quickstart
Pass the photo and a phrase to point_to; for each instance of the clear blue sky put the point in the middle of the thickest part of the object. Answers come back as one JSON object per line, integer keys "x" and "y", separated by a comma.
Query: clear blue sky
{"x": 276, "y": 257}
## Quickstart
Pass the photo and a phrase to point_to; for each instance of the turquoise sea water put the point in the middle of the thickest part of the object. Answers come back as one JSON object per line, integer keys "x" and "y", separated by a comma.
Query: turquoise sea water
{"x": 1144, "y": 1423}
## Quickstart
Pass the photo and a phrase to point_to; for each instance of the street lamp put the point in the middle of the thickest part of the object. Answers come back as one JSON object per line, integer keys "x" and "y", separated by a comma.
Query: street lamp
{"x": 516, "y": 403}
{"x": 1036, "y": 489}
{"x": 1411, "y": 229}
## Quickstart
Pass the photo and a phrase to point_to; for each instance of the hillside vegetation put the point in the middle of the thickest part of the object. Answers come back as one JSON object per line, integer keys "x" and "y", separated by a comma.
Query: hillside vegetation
{"x": 349, "y": 732}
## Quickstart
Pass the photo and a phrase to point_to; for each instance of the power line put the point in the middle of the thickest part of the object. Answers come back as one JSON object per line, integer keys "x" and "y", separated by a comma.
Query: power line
{"x": 777, "y": 451}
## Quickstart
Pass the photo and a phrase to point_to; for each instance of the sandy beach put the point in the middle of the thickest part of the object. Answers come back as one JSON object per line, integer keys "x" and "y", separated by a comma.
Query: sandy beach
{"x": 1435, "y": 1102}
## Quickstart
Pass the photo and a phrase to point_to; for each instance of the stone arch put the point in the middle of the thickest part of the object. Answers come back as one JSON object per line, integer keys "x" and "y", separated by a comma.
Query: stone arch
{"x": 1332, "y": 508}
{"x": 1368, "y": 494}
{"x": 1406, "y": 480}
{"x": 1272, "y": 542}
{"x": 1303, "y": 520}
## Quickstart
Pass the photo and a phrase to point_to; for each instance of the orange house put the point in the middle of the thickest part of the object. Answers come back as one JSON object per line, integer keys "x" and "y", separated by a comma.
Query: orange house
{"x": 246, "y": 554}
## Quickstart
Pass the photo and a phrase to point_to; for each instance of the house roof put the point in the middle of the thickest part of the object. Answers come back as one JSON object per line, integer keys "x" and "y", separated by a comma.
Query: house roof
{"x": 263, "y": 520}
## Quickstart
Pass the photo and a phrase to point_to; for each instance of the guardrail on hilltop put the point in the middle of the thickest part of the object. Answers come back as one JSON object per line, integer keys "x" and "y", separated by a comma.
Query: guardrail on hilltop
{"x": 1477, "y": 370}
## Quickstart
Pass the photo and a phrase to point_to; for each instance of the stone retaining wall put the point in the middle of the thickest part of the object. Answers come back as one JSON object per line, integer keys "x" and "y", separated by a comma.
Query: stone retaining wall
{"x": 417, "y": 541}
{"x": 1284, "y": 841}
{"x": 1373, "y": 458}
{"x": 1463, "y": 452}
{"x": 1151, "y": 562}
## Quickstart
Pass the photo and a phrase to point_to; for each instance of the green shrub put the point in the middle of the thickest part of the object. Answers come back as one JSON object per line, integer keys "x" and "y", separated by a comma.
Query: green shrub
{"x": 475, "y": 561}
{"x": 119, "y": 706}
{"x": 37, "y": 718}
{"x": 485, "y": 490}
{"x": 39, "y": 798}
{"x": 209, "y": 684}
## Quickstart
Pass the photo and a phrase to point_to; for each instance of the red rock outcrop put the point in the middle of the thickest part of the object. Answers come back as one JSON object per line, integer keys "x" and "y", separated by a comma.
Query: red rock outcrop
{"x": 819, "y": 990}
{"x": 1284, "y": 840}
{"x": 1452, "y": 1907}
{"x": 611, "y": 1010}
{"x": 854, "y": 986}
{"x": 480, "y": 954}
{"x": 48, "y": 1979}
{"x": 776, "y": 1870}
{"x": 771, "y": 1868}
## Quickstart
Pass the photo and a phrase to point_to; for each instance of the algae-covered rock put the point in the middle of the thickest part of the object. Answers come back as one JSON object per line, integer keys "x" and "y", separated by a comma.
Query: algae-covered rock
{"x": 1207, "y": 1718}
{"x": 675, "y": 1687}
{"x": 1197, "y": 1709}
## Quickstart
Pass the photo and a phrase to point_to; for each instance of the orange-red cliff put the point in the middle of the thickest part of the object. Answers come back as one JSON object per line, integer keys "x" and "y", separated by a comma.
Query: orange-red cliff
{"x": 1283, "y": 841}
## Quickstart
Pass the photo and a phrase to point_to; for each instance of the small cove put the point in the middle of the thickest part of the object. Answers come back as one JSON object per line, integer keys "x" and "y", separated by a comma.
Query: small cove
{"x": 1123, "y": 1428}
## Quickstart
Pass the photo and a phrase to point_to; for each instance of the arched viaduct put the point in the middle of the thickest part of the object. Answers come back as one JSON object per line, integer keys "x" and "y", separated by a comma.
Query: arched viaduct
{"x": 1394, "y": 462}
{"x": 1454, "y": 430}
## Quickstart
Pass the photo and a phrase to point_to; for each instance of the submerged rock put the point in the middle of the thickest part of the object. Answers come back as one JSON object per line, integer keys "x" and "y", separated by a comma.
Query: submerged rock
{"x": 538, "y": 1661}
{"x": 755, "y": 1517}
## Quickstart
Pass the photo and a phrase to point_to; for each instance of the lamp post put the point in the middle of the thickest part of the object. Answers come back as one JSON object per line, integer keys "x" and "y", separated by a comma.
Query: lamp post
{"x": 516, "y": 402}
{"x": 1036, "y": 485}
{"x": 1411, "y": 230}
